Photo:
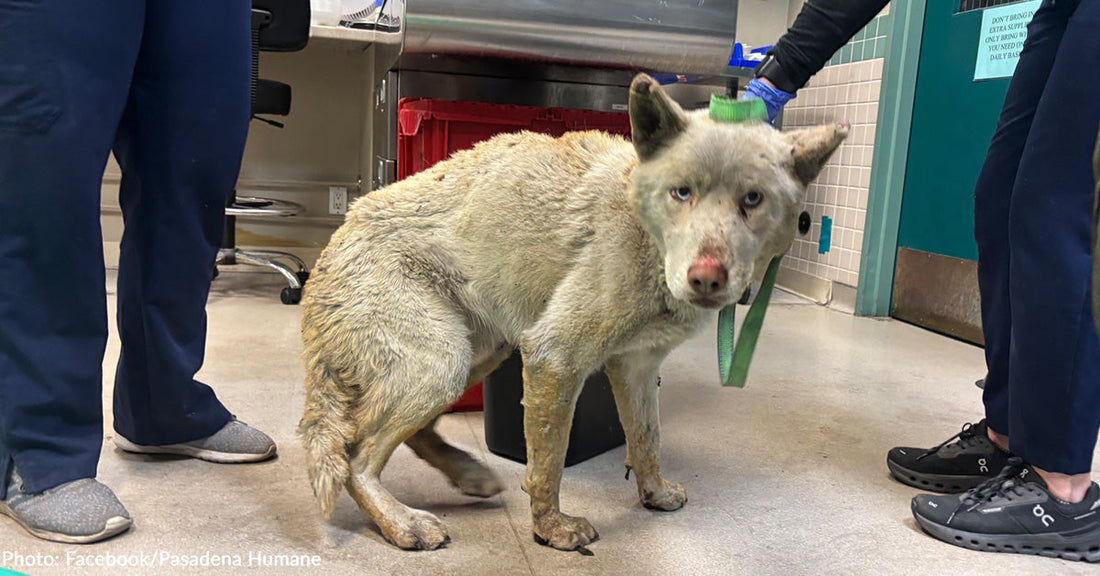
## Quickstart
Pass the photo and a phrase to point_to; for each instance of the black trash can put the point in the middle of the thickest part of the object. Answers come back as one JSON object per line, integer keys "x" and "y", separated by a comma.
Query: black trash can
{"x": 596, "y": 427}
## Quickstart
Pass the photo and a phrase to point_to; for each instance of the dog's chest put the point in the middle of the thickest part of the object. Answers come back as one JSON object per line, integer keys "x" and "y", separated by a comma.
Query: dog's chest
{"x": 665, "y": 330}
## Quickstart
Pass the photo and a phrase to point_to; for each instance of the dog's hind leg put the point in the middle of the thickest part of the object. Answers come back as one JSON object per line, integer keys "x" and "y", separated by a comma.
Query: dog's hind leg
{"x": 416, "y": 385}
{"x": 469, "y": 475}
{"x": 633, "y": 380}
{"x": 406, "y": 527}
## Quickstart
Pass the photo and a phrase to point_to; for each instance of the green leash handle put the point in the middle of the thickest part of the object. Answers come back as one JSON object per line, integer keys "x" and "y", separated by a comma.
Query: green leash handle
{"x": 733, "y": 361}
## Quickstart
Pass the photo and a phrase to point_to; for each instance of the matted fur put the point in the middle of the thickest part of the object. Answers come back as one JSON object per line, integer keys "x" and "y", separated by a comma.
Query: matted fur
{"x": 573, "y": 250}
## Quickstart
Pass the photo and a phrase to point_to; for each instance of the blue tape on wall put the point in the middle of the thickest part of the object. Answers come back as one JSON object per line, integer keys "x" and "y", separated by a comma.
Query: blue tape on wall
{"x": 826, "y": 238}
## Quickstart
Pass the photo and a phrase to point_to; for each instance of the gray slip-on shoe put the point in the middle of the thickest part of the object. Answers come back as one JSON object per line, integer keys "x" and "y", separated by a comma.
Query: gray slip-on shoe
{"x": 235, "y": 443}
{"x": 78, "y": 512}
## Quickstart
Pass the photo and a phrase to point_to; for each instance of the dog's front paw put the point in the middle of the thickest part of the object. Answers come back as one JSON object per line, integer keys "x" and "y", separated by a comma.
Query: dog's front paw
{"x": 564, "y": 532}
{"x": 669, "y": 496}
{"x": 415, "y": 530}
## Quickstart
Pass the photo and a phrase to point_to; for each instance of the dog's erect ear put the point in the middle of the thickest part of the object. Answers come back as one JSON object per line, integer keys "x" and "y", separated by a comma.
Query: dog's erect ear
{"x": 655, "y": 119}
{"x": 811, "y": 148}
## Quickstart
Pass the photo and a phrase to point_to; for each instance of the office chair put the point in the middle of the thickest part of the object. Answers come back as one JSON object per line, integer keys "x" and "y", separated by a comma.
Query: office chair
{"x": 277, "y": 26}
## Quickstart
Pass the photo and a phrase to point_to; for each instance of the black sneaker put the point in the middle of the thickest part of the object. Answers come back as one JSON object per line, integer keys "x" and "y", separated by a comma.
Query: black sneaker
{"x": 958, "y": 464}
{"x": 1014, "y": 512}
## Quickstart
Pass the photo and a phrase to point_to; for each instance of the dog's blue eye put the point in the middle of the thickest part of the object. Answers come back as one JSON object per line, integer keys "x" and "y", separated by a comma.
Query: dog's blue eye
{"x": 683, "y": 193}
{"x": 752, "y": 199}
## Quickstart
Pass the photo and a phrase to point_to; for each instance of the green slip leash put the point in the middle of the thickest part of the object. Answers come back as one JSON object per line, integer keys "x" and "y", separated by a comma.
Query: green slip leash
{"x": 734, "y": 360}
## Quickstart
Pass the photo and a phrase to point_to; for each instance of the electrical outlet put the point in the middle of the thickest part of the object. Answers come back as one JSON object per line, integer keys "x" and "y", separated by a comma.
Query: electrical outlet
{"x": 337, "y": 200}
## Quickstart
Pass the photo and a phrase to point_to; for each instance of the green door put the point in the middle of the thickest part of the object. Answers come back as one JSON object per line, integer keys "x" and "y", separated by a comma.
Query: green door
{"x": 935, "y": 281}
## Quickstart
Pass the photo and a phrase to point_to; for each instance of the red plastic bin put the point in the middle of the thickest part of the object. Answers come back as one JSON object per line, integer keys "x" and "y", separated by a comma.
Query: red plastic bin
{"x": 429, "y": 131}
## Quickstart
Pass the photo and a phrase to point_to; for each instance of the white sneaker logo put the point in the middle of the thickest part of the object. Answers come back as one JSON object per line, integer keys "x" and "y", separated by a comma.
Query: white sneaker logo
{"x": 1042, "y": 515}
{"x": 982, "y": 467}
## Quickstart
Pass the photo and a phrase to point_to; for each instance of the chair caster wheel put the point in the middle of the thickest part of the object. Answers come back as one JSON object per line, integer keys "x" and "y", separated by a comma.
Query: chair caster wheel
{"x": 303, "y": 276}
{"x": 291, "y": 295}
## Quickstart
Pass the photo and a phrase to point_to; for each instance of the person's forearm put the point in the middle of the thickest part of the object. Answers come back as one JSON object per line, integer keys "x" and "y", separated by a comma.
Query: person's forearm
{"x": 821, "y": 28}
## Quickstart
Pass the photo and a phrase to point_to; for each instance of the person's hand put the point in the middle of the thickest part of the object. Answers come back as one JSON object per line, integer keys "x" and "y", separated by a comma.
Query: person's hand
{"x": 774, "y": 98}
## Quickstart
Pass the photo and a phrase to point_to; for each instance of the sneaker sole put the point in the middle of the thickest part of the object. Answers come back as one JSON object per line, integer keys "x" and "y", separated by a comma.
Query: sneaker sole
{"x": 942, "y": 483}
{"x": 185, "y": 450}
{"x": 114, "y": 526}
{"x": 1085, "y": 546}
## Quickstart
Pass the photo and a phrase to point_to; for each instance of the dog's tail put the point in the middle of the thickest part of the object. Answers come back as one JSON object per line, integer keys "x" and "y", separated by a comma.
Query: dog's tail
{"x": 326, "y": 430}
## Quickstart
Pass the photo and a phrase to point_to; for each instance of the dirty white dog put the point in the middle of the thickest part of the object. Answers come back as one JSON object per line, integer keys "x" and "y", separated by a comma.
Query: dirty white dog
{"x": 585, "y": 251}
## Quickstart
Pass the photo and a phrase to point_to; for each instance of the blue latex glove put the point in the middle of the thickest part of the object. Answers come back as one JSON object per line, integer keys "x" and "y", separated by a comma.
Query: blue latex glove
{"x": 774, "y": 98}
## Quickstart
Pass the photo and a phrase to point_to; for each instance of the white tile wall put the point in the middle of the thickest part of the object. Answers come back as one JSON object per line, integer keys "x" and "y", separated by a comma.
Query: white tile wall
{"x": 844, "y": 92}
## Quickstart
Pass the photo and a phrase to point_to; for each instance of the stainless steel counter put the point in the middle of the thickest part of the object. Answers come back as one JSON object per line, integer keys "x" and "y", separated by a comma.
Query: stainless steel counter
{"x": 554, "y": 53}
{"x": 677, "y": 36}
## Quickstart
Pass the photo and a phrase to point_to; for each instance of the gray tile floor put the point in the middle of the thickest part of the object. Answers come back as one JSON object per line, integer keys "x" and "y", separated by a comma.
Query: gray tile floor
{"x": 786, "y": 476}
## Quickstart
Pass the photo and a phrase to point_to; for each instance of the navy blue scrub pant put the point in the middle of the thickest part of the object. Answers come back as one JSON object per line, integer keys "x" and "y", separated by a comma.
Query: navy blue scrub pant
{"x": 165, "y": 85}
{"x": 1033, "y": 206}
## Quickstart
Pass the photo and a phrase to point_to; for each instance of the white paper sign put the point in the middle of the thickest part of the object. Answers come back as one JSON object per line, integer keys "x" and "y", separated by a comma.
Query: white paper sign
{"x": 1002, "y": 36}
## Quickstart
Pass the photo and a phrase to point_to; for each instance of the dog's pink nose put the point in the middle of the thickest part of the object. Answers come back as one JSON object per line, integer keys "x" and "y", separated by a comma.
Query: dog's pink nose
{"x": 707, "y": 276}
